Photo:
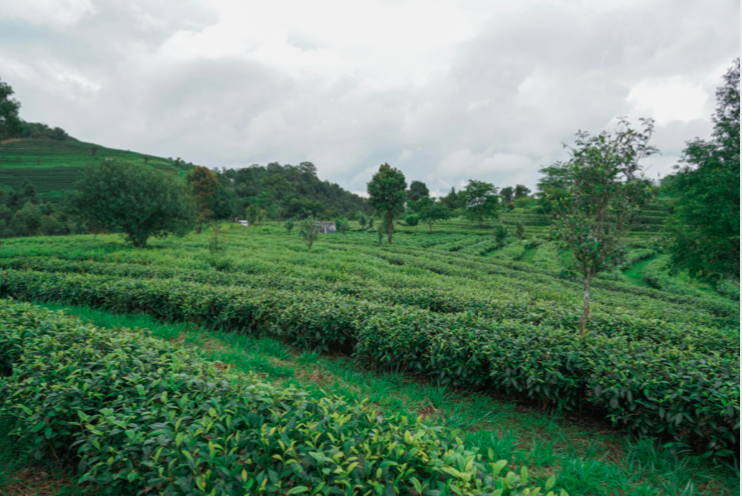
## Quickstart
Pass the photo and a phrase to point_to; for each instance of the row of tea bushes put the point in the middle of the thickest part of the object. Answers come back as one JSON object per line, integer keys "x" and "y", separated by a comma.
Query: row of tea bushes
{"x": 443, "y": 263}
{"x": 499, "y": 306}
{"x": 651, "y": 388}
{"x": 137, "y": 414}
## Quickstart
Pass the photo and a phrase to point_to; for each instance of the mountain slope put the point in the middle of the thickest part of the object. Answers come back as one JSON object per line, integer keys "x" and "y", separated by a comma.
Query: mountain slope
{"x": 54, "y": 166}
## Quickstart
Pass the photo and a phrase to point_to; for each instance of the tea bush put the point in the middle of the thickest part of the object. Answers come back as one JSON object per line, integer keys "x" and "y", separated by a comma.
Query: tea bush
{"x": 137, "y": 414}
{"x": 682, "y": 383}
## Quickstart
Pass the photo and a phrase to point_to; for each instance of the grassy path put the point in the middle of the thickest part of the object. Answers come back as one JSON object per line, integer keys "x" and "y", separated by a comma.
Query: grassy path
{"x": 634, "y": 273}
{"x": 587, "y": 458}
{"x": 528, "y": 254}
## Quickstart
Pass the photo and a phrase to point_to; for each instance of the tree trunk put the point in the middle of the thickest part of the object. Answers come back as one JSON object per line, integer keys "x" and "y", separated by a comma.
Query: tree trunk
{"x": 585, "y": 306}
{"x": 198, "y": 227}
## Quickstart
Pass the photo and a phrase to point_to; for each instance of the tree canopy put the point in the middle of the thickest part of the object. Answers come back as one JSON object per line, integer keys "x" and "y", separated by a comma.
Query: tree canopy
{"x": 135, "y": 199}
{"x": 596, "y": 196}
{"x": 417, "y": 190}
{"x": 507, "y": 194}
{"x": 430, "y": 211}
{"x": 10, "y": 122}
{"x": 386, "y": 192}
{"x": 521, "y": 191}
{"x": 704, "y": 228}
{"x": 211, "y": 199}
{"x": 482, "y": 202}
{"x": 286, "y": 191}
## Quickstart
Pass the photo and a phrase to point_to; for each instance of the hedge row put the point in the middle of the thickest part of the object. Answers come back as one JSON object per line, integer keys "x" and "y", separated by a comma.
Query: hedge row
{"x": 499, "y": 307}
{"x": 452, "y": 264}
{"x": 650, "y": 388}
{"x": 140, "y": 414}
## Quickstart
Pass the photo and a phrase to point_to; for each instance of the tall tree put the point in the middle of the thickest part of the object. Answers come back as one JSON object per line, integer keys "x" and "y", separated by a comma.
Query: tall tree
{"x": 417, "y": 190}
{"x": 430, "y": 211}
{"x": 203, "y": 186}
{"x": 507, "y": 194}
{"x": 704, "y": 226}
{"x": 602, "y": 190}
{"x": 387, "y": 194}
{"x": 135, "y": 199}
{"x": 451, "y": 199}
{"x": 521, "y": 191}
{"x": 482, "y": 202}
{"x": 10, "y": 123}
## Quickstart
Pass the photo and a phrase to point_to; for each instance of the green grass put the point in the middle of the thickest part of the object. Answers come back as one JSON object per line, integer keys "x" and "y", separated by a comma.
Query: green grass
{"x": 587, "y": 458}
{"x": 54, "y": 167}
{"x": 634, "y": 273}
{"x": 528, "y": 255}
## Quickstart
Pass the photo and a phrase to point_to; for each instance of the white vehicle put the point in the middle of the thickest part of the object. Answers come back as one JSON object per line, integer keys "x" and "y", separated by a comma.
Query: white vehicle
{"x": 243, "y": 223}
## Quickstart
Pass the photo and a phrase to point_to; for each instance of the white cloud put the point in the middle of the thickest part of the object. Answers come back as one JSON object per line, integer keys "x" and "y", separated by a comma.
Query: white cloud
{"x": 447, "y": 91}
{"x": 47, "y": 13}
{"x": 670, "y": 99}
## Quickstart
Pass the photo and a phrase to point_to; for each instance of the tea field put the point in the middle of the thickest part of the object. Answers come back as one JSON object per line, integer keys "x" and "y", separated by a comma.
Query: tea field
{"x": 241, "y": 370}
{"x": 53, "y": 167}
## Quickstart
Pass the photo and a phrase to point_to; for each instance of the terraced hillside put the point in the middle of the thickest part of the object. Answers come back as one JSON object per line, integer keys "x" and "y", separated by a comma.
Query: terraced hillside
{"x": 53, "y": 166}
{"x": 660, "y": 366}
{"x": 536, "y": 223}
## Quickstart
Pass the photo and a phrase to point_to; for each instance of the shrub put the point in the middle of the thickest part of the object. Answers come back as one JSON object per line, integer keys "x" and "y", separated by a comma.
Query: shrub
{"x": 411, "y": 220}
{"x": 142, "y": 415}
{"x": 658, "y": 384}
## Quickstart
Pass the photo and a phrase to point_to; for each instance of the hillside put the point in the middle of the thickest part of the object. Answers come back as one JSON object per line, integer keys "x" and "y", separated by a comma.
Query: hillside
{"x": 468, "y": 359}
{"x": 54, "y": 166}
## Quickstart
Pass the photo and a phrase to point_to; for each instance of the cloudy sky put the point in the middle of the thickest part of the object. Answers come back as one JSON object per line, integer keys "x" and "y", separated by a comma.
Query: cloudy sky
{"x": 444, "y": 90}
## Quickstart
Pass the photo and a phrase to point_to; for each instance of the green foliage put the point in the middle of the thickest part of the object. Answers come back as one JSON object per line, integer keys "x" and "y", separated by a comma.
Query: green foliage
{"x": 507, "y": 194}
{"x": 704, "y": 227}
{"x": 54, "y": 167}
{"x": 289, "y": 225}
{"x": 38, "y": 130}
{"x": 417, "y": 190}
{"x": 292, "y": 191}
{"x": 142, "y": 414}
{"x": 214, "y": 245}
{"x": 134, "y": 199}
{"x": 309, "y": 232}
{"x": 342, "y": 225}
{"x": 212, "y": 200}
{"x": 596, "y": 196}
{"x": 411, "y": 220}
{"x": 254, "y": 215}
{"x": 520, "y": 230}
{"x": 501, "y": 234}
{"x": 381, "y": 230}
{"x": 430, "y": 211}
{"x": 362, "y": 221}
{"x": 453, "y": 200}
{"x": 481, "y": 201}
{"x": 652, "y": 392}
{"x": 27, "y": 220}
{"x": 521, "y": 191}
{"x": 386, "y": 192}
{"x": 10, "y": 122}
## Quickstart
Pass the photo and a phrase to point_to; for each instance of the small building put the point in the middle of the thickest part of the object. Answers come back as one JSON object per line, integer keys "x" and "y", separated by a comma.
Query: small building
{"x": 326, "y": 227}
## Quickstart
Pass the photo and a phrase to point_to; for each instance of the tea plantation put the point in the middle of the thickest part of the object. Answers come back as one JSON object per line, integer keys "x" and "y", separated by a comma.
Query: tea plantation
{"x": 653, "y": 386}
{"x": 53, "y": 167}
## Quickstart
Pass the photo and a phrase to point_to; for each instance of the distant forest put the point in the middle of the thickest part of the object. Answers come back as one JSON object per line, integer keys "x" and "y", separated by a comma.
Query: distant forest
{"x": 286, "y": 191}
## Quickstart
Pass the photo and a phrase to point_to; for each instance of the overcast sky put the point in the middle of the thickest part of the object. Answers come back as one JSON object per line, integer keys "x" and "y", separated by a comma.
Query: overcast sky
{"x": 446, "y": 91}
